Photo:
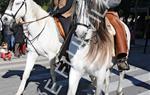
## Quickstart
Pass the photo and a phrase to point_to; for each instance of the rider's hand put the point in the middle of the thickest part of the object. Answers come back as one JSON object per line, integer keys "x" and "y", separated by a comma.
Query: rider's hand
{"x": 53, "y": 12}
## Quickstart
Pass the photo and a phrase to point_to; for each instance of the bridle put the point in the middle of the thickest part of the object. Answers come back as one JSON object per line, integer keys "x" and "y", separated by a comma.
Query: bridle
{"x": 81, "y": 17}
{"x": 89, "y": 26}
{"x": 14, "y": 15}
{"x": 23, "y": 3}
{"x": 81, "y": 23}
{"x": 27, "y": 23}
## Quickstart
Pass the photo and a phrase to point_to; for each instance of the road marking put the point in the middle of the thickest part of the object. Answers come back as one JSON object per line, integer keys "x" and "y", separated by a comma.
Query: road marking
{"x": 128, "y": 82}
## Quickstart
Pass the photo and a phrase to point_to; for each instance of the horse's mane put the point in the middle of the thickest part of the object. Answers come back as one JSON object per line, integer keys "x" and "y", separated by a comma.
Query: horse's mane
{"x": 100, "y": 42}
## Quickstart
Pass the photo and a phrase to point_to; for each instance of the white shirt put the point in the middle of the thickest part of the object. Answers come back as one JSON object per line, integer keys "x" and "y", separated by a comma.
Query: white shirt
{"x": 1, "y": 23}
{"x": 1, "y": 26}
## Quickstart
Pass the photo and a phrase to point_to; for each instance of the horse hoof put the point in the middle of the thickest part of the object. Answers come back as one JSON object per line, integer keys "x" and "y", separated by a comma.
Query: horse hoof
{"x": 120, "y": 93}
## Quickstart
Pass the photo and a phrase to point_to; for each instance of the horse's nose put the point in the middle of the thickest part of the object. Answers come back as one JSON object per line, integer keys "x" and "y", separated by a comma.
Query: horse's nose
{"x": 5, "y": 19}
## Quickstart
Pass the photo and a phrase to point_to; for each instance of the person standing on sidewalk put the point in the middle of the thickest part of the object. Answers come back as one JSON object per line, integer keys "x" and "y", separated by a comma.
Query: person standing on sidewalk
{"x": 1, "y": 28}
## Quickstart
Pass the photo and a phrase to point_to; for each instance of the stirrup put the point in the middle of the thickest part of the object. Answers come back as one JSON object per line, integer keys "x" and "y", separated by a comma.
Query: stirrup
{"x": 122, "y": 64}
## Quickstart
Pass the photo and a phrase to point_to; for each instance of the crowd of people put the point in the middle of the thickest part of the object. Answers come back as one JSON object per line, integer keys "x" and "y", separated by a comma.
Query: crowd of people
{"x": 12, "y": 40}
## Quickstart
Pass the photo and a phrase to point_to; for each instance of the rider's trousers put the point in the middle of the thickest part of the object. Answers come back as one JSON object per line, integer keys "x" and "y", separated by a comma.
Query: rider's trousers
{"x": 120, "y": 37}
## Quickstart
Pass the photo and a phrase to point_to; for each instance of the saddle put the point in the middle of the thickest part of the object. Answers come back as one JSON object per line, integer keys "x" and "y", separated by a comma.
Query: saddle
{"x": 116, "y": 28}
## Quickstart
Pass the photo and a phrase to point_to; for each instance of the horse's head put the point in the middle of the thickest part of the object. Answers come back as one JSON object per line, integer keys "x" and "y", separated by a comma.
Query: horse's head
{"x": 15, "y": 11}
{"x": 90, "y": 13}
{"x": 83, "y": 24}
{"x": 7, "y": 19}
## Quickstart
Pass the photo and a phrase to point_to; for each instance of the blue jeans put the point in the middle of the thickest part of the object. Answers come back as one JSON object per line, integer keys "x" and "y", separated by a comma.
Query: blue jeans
{"x": 10, "y": 40}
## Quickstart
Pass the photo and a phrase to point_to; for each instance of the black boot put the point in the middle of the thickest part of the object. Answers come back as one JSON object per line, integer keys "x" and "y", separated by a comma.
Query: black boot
{"x": 122, "y": 64}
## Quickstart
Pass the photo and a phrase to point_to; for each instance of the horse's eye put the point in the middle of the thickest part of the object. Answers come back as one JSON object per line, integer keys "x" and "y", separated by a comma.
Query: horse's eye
{"x": 17, "y": 3}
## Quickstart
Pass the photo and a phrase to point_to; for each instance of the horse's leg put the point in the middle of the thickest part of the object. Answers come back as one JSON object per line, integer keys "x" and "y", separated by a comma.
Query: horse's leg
{"x": 107, "y": 81}
{"x": 31, "y": 58}
{"x": 119, "y": 89}
{"x": 74, "y": 78}
{"x": 100, "y": 80}
{"x": 52, "y": 71}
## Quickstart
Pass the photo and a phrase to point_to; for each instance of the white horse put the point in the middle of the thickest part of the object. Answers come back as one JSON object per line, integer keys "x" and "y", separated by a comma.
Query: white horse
{"x": 94, "y": 57}
{"x": 44, "y": 37}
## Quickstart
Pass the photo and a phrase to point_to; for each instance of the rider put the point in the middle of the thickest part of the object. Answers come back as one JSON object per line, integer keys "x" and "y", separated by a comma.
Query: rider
{"x": 63, "y": 10}
{"x": 120, "y": 38}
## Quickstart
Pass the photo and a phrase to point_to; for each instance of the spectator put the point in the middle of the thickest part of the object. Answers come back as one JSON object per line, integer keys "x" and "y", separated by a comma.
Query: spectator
{"x": 19, "y": 39}
{"x": 8, "y": 37}
{"x": 1, "y": 28}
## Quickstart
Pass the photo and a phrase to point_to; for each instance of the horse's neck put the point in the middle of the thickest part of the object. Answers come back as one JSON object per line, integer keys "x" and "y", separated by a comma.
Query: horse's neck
{"x": 35, "y": 12}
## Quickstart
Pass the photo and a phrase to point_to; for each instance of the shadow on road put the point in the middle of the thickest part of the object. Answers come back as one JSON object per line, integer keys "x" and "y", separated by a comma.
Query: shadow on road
{"x": 135, "y": 81}
{"x": 41, "y": 76}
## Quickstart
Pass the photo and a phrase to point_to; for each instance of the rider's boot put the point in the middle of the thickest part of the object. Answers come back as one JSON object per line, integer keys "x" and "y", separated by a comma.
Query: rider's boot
{"x": 122, "y": 64}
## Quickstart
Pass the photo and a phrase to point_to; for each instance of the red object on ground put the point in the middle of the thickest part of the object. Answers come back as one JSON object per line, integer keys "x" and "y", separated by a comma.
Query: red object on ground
{"x": 20, "y": 50}
{"x": 6, "y": 56}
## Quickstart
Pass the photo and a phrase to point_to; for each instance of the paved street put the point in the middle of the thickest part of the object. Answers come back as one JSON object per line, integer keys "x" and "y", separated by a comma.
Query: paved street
{"x": 136, "y": 82}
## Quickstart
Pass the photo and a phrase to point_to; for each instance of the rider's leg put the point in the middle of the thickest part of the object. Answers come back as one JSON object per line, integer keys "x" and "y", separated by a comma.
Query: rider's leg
{"x": 66, "y": 22}
{"x": 120, "y": 40}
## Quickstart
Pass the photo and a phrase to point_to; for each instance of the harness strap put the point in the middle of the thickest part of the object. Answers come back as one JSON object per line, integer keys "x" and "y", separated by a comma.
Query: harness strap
{"x": 28, "y": 22}
{"x": 30, "y": 41}
{"x": 60, "y": 28}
